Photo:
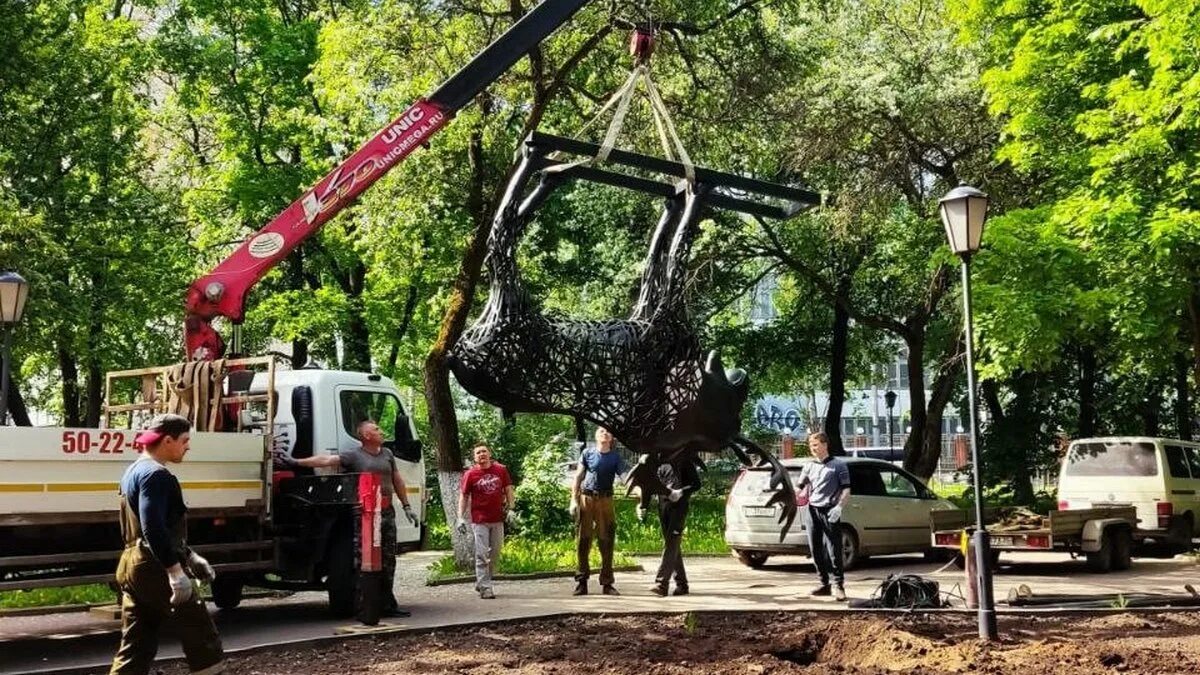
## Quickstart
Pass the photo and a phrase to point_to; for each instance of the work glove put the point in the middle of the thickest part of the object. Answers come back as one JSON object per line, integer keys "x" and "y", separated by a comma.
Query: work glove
{"x": 573, "y": 509}
{"x": 461, "y": 527}
{"x": 510, "y": 518}
{"x": 181, "y": 585}
{"x": 641, "y": 513}
{"x": 200, "y": 567}
{"x": 835, "y": 514}
{"x": 675, "y": 495}
{"x": 283, "y": 459}
{"x": 412, "y": 517}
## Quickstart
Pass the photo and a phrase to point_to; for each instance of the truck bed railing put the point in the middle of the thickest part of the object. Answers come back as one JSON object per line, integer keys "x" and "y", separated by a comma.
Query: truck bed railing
{"x": 192, "y": 390}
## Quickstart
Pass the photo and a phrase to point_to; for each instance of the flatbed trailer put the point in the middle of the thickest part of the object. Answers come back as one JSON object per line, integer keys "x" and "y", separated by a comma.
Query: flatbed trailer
{"x": 1104, "y": 535}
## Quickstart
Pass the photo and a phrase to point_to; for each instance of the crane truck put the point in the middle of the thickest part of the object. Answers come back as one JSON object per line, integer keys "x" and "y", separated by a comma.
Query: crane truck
{"x": 257, "y": 525}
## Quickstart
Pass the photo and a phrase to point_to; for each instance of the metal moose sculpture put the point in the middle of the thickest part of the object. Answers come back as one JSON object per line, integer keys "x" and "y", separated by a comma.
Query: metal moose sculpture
{"x": 644, "y": 378}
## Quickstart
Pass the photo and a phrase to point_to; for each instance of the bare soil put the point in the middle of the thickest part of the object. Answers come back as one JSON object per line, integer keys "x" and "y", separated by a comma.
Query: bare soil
{"x": 760, "y": 643}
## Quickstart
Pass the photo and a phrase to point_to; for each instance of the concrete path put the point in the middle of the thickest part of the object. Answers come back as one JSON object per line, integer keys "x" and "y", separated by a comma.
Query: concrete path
{"x": 78, "y": 640}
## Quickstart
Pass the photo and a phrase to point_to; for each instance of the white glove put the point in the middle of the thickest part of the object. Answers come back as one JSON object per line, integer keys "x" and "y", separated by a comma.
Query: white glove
{"x": 412, "y": 517}
{"x": 675, "y": 495}
{"x": 181, "y": 585}
{"x": 510, "y": 518}
{"x": 835, "y": 514}
{"x": 573, "y": 509}
{"x": 461, "y": 526}
{"x": 200, "y": 567}
{"x": 641, "y": 513}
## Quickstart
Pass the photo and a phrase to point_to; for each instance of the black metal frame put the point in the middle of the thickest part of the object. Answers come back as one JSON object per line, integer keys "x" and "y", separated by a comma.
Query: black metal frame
{"x": 794, "y": 199}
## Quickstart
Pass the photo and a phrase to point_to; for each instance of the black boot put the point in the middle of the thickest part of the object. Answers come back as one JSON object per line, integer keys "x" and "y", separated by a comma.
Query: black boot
{"x": 580, "y": 587}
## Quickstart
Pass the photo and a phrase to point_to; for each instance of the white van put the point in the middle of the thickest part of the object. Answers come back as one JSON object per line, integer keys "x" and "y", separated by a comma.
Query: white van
{"x": 1159, "y": 477}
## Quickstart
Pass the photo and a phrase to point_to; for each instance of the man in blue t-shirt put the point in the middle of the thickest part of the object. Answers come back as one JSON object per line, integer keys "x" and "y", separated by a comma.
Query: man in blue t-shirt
{"x": 592, "y": 509}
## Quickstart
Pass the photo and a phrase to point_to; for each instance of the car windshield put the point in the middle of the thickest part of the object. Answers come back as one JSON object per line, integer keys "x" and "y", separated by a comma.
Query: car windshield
{"x": 1112, "y": 459}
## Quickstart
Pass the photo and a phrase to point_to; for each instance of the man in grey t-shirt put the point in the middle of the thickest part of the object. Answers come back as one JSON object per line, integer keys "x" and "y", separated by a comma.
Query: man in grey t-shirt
{"x": 829, "y": 481}
{"x": 371, "y": 457}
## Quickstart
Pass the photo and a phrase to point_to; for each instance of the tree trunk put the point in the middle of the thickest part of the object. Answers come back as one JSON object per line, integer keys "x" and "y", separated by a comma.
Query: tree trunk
{"x": 70, "y": 388}
{"x": 443, "y": 421}
{"x": 917, "y": 456}
{"x": 16, "y": 403}
{"x": 406, "y": 315}
{"x": 299, "y": 353}
{"x": 1183, "y": 398}
{"x": 837, "y": 374}
{"x": 95, "y": 395}
{"x": 1088, "y": 415}
{"x": 939, "y": 397}
{"x": 357, "y": 340}
{"x": 1151, "y": 408}
{"x": 464, "y": 547}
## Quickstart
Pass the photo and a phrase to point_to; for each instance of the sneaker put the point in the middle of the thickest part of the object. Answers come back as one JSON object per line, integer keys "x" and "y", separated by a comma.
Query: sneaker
{"x": 487, "y": 594}
{"x": 680, "y": 590}
{"x": 660, "y": 591}
{"x": 609, "y": 589}
{"x": 580, "y": 588}
{"x": 821, "y": 591}
{"x": 839, "y": 594}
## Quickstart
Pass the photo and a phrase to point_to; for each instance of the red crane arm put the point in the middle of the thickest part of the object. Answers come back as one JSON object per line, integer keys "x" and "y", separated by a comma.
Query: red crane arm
{"x": 222, "y": 292}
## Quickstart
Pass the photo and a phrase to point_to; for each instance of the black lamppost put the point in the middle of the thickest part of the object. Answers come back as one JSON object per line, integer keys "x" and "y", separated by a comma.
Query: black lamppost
{"x": 964, "y": 212}
{"x": 14, "y": 290}
{"x": 890, "y": 400}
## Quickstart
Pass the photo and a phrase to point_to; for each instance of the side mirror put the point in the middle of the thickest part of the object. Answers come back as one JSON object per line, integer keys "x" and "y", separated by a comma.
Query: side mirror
{"x": 408, "y": 450}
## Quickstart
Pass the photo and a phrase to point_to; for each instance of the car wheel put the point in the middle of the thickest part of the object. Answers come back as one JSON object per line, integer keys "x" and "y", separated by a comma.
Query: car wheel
{"x": 751, "y": 559}
{"x": 851, "y": 556}
{"x": 1182, "y": 537}
{"x": 1102, "y": 561}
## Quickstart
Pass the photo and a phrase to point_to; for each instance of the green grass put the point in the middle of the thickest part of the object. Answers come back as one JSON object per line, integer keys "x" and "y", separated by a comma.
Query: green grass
{"x": 524, "y": 554}
{"x": 66, "y": 595}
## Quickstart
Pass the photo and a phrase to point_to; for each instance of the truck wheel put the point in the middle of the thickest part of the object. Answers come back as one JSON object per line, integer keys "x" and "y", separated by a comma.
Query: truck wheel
{"x": 751, "y": 559}
{"x": 1102, "y": 561}
{"x": 227, "y": 592}
{"x": 1122, "y": 556}
{"x": 342, "y": 581}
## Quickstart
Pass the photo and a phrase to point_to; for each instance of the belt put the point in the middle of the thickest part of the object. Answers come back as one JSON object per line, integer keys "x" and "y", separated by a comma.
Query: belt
{"x": 598, "y": 493}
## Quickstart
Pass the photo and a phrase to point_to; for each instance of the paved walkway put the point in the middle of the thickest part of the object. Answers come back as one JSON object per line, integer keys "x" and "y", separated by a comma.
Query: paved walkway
{"x": 78, "y": 640}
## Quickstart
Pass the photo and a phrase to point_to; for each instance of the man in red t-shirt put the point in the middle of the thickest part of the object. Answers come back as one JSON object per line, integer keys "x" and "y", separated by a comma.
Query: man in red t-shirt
{"x": 490, "y": 490}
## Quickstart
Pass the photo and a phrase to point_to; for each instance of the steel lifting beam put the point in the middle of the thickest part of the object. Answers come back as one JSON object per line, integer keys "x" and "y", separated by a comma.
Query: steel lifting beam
{"x": 795, "y": 199}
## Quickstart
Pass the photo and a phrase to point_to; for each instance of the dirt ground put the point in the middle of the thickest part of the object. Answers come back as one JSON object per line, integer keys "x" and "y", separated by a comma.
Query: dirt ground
{"x": 702, "y": 643}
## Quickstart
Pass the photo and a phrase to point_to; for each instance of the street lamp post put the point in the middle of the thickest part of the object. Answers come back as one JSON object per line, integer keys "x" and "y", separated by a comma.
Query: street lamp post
{"x": 964, "y": 213}
{"x": 890, "y": 399}
{"x": 14, "y": 290}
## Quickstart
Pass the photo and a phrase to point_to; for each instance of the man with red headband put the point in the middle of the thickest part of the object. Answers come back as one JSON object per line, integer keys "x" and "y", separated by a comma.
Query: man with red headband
{"x": 156, "y": 568}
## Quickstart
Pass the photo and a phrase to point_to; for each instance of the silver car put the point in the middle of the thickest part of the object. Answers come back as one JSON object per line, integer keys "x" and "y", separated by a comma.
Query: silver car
{"x": 888, "y": 513}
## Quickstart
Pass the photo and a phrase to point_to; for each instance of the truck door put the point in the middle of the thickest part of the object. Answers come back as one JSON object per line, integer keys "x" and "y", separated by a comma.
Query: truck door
{"x": 356, "y": 404}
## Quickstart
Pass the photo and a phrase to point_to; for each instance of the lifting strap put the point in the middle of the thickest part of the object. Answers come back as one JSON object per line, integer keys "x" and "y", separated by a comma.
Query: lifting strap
{"x": 672, "y": 146}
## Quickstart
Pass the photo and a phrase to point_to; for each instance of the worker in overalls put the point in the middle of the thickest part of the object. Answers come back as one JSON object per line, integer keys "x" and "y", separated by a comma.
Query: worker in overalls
{"x": 157, "y": 568}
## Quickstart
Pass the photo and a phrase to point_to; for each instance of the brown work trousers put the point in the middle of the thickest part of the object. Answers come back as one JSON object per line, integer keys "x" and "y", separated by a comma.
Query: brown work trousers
{"x": 596, "y": 521}
{"x": 146, "y": 608}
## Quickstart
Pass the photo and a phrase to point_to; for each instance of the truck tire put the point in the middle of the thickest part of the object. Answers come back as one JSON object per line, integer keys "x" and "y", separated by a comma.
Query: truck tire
{"x": 227, "y": 592}
{"x": 342, "y": 579}
{"x": 752, "y": 559}
{"x": 1122, "y": 556}
{"x": 1102, "y": 561}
